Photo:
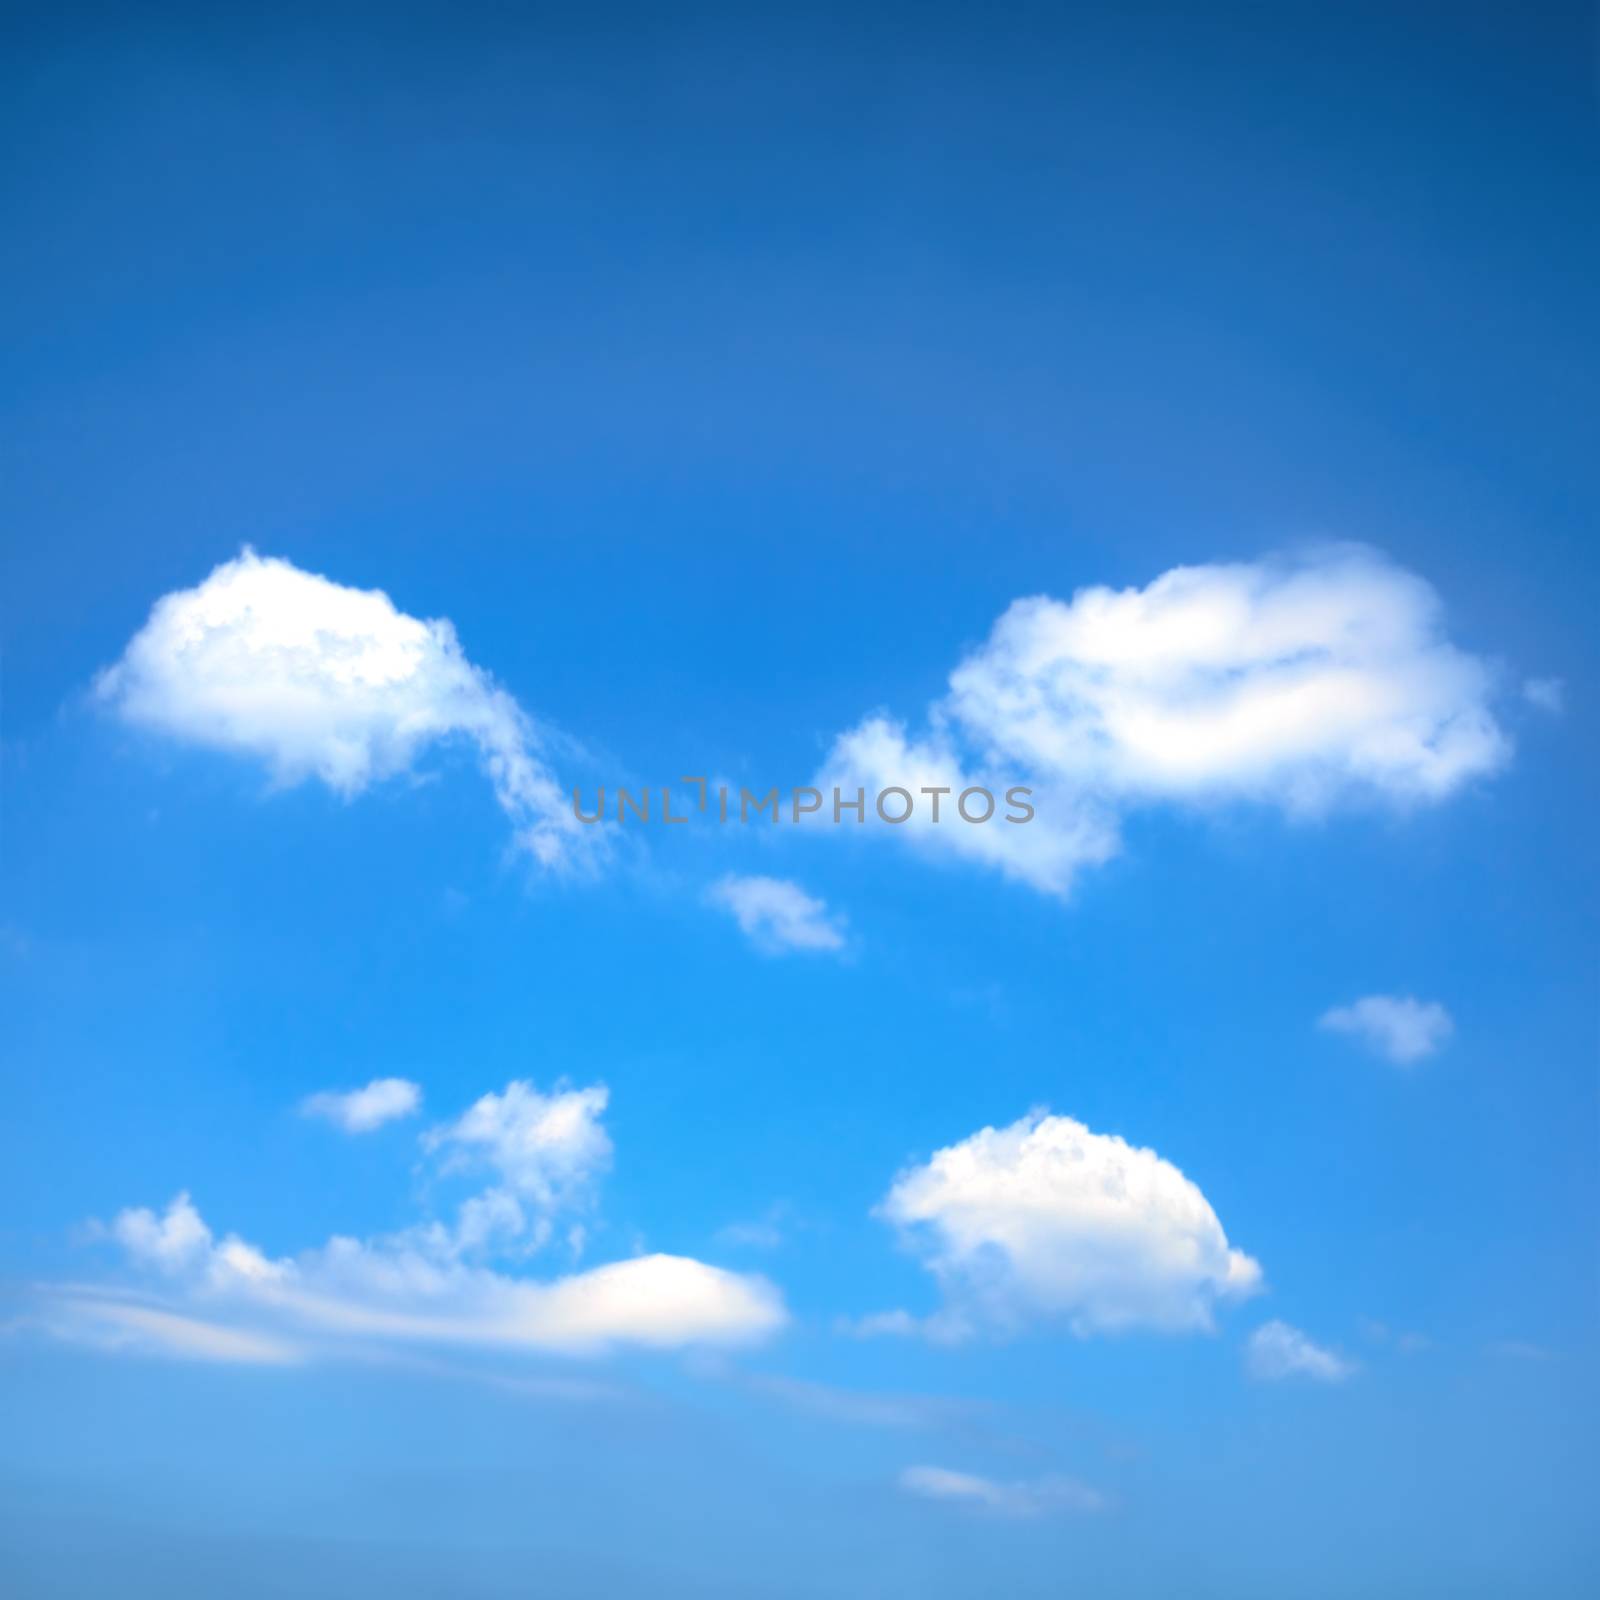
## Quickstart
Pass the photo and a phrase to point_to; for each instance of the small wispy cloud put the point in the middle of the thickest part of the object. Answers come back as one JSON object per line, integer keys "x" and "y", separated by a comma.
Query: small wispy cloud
{"x": 896, "y": 1324}
{"x": 861, "y": 1407}
{"x": 1546, "y": 694}
{"x": 361, "y": 1110}
{"x": 1276, "y": 1351}
{"x": 1407, "y": 1341}
{"x": 1021, "y": 1498}
{"x": 777, "y": 915}
{"x": 759, "y": 1235}
{"x": 764, "y": 1232}
{"x": 1401, "y": 1029}
{"x": 1521, "y": 1350}
{"x": 119, "y": 1324}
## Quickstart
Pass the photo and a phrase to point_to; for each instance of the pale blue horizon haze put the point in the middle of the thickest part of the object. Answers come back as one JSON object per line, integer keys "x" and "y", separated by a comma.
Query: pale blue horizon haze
{"x": 1186, "y": 413}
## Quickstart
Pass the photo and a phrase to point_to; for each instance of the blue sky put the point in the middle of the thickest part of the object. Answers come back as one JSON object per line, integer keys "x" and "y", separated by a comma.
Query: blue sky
{"x": 1189, "y": 1190}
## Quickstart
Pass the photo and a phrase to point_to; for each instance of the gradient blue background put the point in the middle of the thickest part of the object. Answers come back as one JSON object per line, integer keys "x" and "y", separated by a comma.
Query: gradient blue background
{"x": 722, "y": 375}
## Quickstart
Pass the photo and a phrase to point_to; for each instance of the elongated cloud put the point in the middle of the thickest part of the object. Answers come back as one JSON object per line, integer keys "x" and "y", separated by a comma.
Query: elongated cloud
{"x": 1399, "y": 1028}
{"x": 1045, "y": 1221}
{"x": 362, "y": 1110}
{"x": 1022, "y": 1498}
{"x": 1302, "y": 684}
{"x": 122, "y": 1324}
{"x": 394, "y": 1290}
{"x": 322, "y": 681}
{"x": 225, "y": 1299}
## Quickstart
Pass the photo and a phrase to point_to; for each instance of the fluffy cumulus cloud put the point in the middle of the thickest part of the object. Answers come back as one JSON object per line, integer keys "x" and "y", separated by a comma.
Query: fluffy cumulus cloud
{"x": 1020, "y": 1498}
{"x": 1302, "y": 684}
{"x": 1399, "y": 1028}
{"x": 1045, "y": 1221}
{"x": 322, "y": 681}
{"x": 361, "y": 1110}
{"x": 777, "y": 915}
{"x": 1276, "y": 1351}
{"x": 223, "y": 1298}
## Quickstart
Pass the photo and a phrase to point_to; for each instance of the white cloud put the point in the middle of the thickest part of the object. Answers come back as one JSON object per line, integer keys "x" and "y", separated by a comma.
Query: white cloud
{"x": 1029, "y": 1498}
{"x": 1398, "y": 1027}
{"x": 320, "y": 680}
{"x": 1276, "y": 1351}
{"x": 1547, "y": 694}
{"x": 1297, "y": 683}
{"x": 228, "y": 1299}
{"x": 395, "y": 1289}
{"x": 778, "y": 915}
{"x": 362, "y": 1110}
{"x": 1045, "y": 1220}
